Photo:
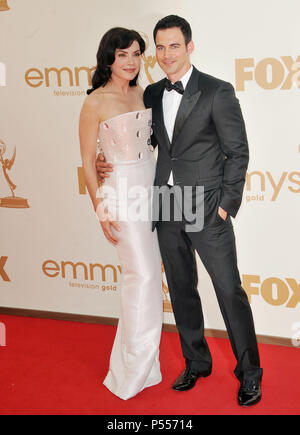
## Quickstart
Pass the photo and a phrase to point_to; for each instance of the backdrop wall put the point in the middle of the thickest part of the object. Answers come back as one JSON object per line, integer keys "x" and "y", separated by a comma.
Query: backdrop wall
{"x": 53, "y": 255}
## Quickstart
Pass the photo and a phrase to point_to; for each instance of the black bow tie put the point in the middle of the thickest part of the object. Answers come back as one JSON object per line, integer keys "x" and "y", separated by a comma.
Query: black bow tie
{"x": 178, "y": 87}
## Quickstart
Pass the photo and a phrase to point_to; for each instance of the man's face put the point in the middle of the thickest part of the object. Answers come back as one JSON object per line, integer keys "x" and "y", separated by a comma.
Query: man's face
{"x": 172, "y": 53}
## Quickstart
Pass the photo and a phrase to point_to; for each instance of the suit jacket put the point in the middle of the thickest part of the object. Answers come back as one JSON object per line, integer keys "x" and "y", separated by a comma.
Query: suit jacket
{"x": 209, "y": 146}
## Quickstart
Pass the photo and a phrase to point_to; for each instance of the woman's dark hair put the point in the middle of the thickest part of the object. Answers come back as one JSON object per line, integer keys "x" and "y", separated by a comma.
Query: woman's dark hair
{"x": 116, "y": 38}
{"x": 174, "y": 21}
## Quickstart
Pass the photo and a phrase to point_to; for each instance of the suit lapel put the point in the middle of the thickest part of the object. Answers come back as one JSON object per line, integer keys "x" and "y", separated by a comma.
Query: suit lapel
{"x": 158, "y": 118}
{"x": 189, "y": 99}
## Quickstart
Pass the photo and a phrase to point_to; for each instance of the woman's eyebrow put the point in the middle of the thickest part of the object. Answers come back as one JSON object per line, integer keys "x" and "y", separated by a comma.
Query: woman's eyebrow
{"x": 119, "y": 50}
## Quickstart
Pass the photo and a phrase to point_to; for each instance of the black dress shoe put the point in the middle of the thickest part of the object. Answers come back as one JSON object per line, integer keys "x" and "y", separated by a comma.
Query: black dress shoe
{"x": 187, "y": 380}
{"x": 249, "y": 393}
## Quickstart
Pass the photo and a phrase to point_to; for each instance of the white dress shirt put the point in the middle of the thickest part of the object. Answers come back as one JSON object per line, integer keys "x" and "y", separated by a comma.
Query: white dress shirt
{"x": 171, "y": 102}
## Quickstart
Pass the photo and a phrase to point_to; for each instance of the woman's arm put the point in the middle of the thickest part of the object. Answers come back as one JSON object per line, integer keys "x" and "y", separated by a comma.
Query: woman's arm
{"x": 88, "y": 134}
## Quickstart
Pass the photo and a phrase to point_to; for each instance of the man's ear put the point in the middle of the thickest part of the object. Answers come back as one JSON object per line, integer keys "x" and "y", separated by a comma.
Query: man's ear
{"x": 190, "y": 47}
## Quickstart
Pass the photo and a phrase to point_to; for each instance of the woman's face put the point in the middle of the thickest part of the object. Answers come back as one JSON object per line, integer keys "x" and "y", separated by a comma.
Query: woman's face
{"x": 127, "y": 62}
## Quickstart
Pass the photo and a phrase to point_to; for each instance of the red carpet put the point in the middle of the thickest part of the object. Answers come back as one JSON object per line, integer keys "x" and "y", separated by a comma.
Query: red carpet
{"x": 57, "y": 368}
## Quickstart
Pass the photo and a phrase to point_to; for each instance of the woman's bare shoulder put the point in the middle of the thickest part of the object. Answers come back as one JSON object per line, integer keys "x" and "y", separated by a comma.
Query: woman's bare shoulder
{"x": 95, "y": 103}
{"x": 93, "y": 100}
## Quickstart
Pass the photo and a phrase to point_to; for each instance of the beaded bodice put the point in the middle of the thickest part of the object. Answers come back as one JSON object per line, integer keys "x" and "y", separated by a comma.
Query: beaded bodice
{"x": 126, "y": 138}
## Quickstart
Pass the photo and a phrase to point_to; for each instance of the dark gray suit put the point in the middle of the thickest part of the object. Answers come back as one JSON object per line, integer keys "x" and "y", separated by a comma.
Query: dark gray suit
{"x": 210, "y": 149}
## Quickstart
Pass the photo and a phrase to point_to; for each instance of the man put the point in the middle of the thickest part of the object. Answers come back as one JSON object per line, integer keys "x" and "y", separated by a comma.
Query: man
{"x": 200, "y": 132}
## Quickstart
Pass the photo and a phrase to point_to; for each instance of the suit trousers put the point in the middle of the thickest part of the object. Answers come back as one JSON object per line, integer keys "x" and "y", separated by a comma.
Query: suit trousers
{"x": 216, "y": 247}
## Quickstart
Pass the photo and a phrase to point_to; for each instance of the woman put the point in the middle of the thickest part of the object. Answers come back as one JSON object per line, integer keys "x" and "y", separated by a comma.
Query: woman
{"x": 114, "y": 115}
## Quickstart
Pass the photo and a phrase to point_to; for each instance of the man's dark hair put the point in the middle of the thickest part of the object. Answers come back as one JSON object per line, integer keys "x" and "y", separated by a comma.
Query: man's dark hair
{"x": 174, "y": 21}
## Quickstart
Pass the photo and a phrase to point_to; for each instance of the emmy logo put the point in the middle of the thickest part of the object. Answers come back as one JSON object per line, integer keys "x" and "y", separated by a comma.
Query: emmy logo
{"x": 4, "y": 5}
{"x": 11, "y": 201}
{"x": 149, "y": 61}
{"x": 166, "y": 295}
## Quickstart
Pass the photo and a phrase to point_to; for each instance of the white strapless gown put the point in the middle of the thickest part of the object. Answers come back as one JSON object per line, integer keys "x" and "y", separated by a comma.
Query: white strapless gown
{"x": 134, "y": 362}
